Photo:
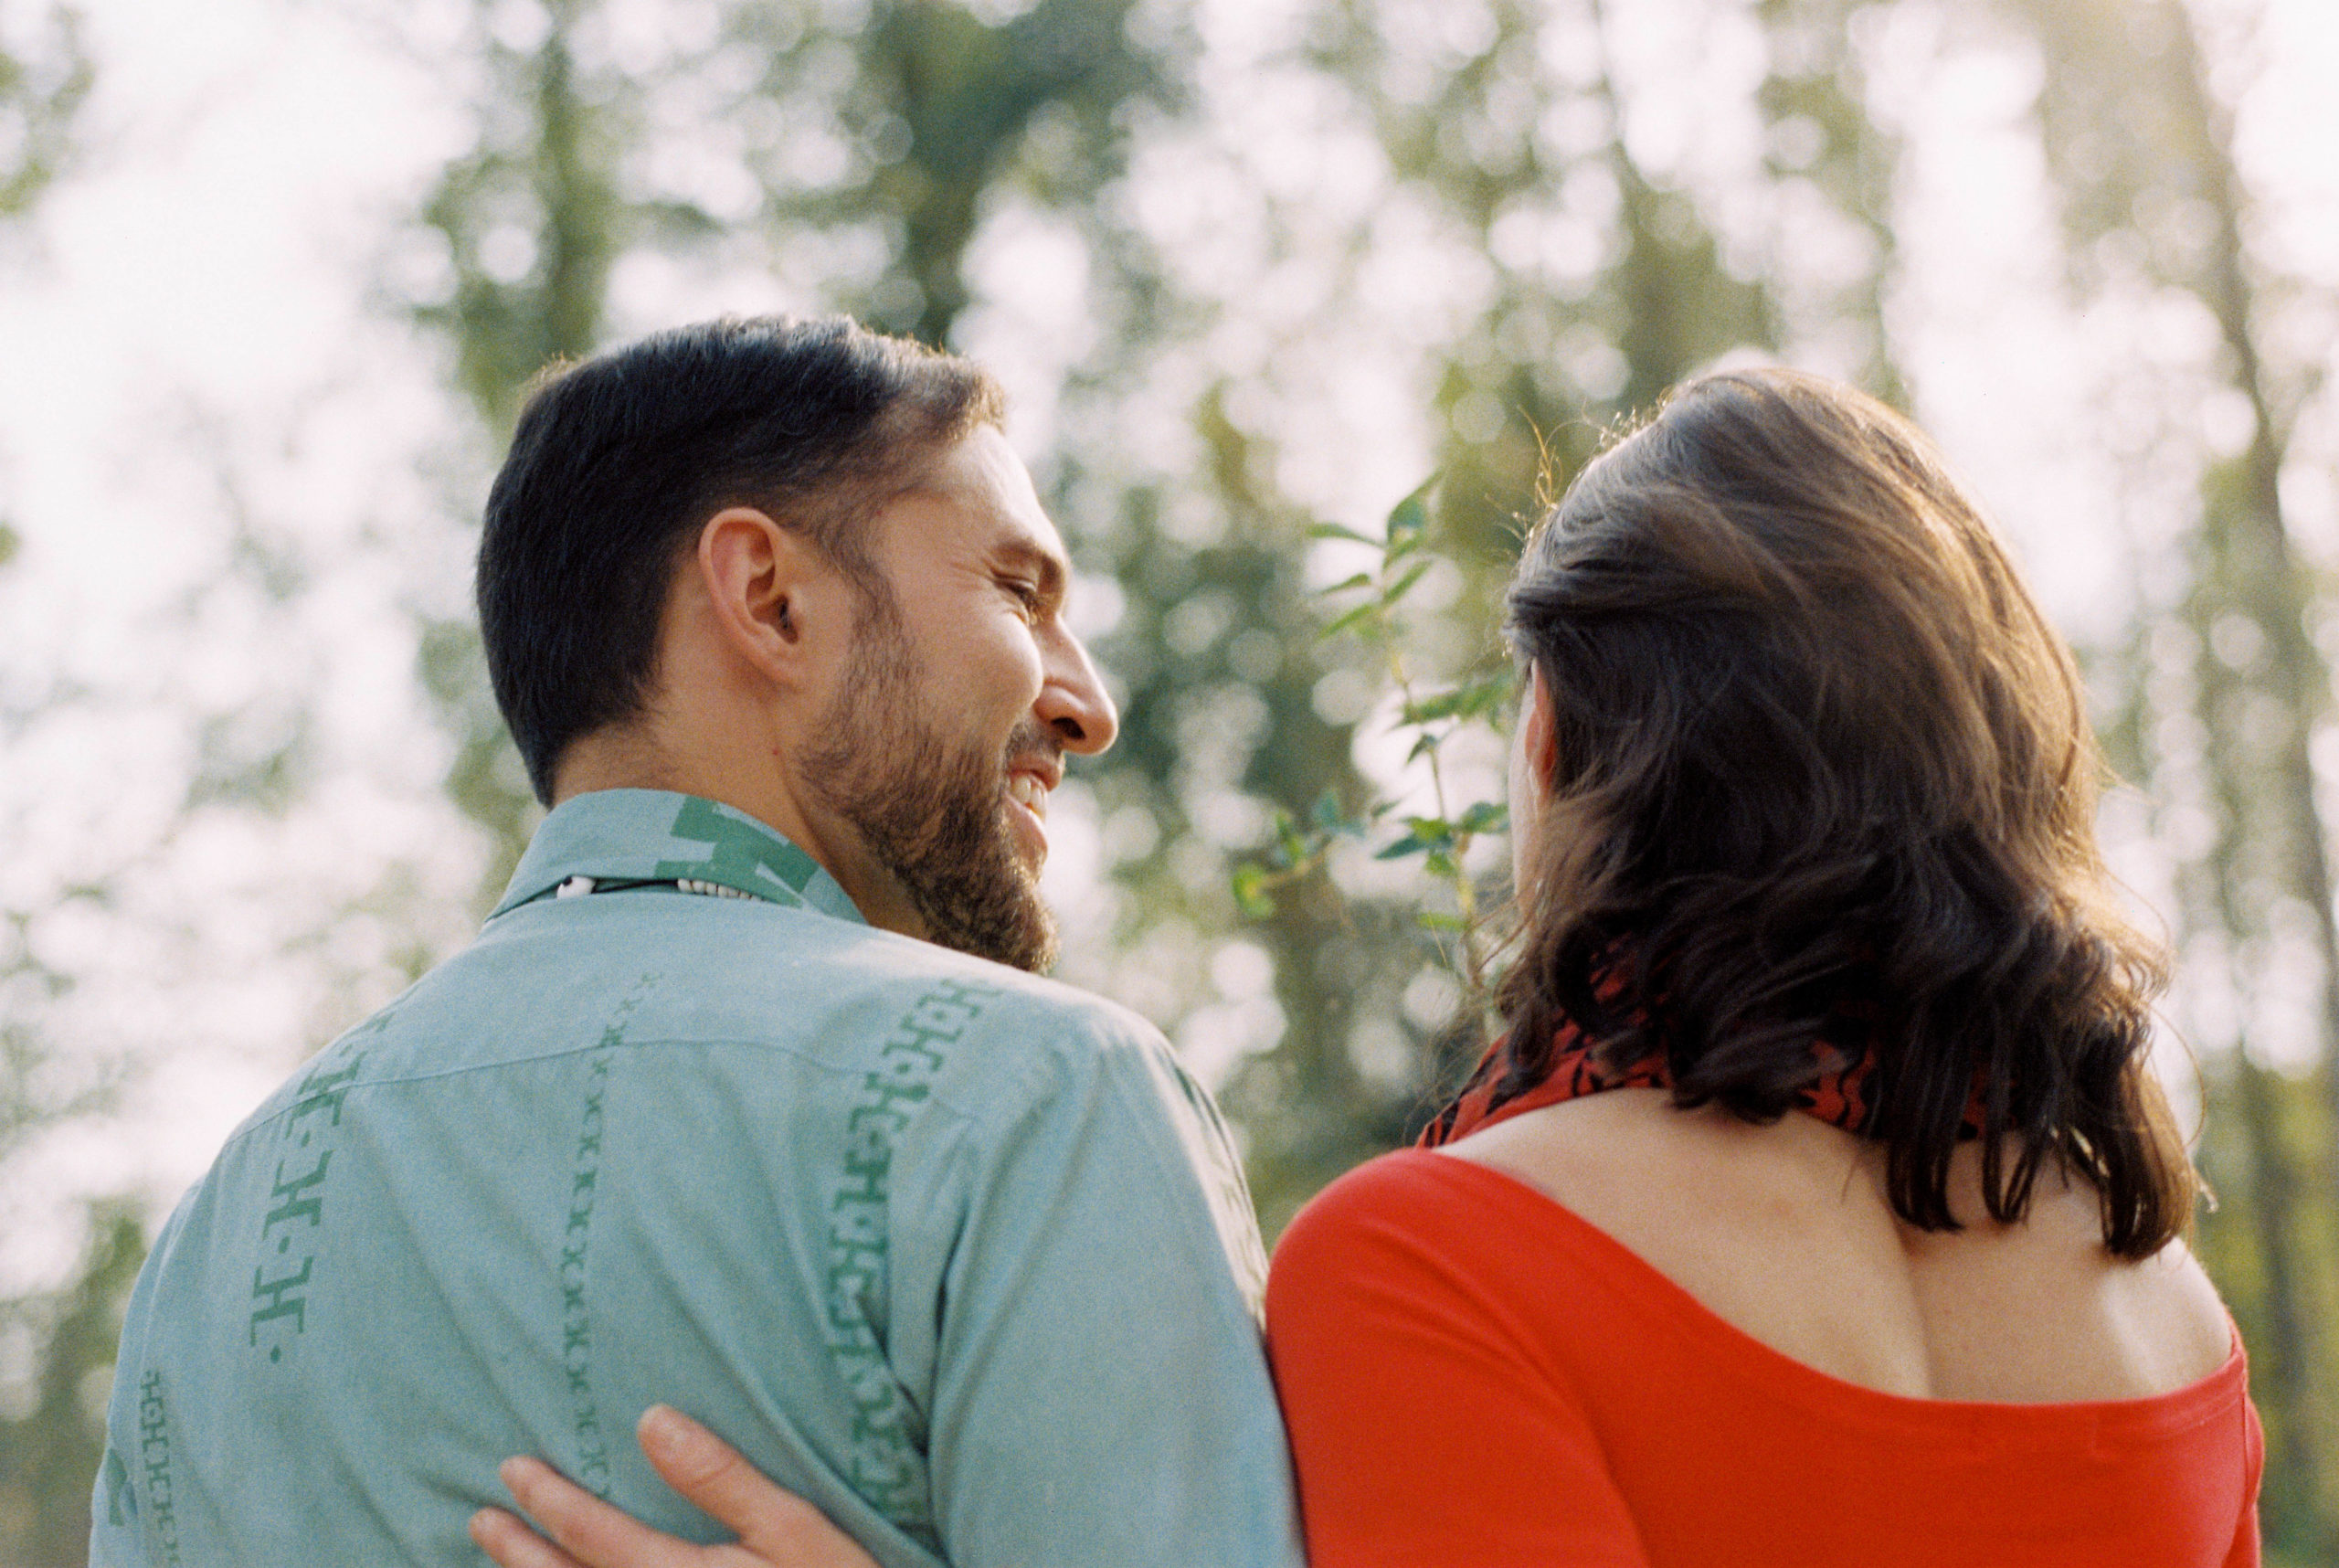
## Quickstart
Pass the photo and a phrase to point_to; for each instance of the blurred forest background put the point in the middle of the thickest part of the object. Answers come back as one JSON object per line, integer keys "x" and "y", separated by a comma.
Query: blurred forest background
{"x": 1249, "y": 267}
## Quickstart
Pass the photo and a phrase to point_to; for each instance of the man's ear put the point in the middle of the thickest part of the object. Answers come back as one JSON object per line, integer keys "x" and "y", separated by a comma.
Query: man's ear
{"x": 774, "y": 598}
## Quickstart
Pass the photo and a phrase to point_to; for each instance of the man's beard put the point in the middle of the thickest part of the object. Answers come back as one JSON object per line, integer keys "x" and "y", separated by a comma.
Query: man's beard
{"x": 933, "y": 816}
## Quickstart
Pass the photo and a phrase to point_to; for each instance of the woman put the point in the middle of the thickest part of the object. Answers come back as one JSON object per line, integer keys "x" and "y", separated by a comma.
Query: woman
{"x": 1817, "y": 1205}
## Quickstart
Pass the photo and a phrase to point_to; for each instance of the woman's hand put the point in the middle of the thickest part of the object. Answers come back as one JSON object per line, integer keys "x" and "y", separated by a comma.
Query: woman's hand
{"x": 776, "y": 1529}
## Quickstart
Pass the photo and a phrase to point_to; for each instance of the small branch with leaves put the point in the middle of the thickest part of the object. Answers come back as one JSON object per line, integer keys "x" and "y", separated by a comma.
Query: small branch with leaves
{"x": 1443, "y": 838}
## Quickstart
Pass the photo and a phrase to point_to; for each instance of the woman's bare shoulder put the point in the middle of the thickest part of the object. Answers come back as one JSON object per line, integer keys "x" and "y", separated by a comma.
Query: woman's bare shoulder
{"x": 1785, "y": 1231}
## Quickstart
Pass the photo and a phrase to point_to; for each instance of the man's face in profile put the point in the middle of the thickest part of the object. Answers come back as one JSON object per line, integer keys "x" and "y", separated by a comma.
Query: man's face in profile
{"x": 964, "y": 691}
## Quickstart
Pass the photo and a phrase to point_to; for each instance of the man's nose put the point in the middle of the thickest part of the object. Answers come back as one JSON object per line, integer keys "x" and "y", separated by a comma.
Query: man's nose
{"x": 1073, "y": 702}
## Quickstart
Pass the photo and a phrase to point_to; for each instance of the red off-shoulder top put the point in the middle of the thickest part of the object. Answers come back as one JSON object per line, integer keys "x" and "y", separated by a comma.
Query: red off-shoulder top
{"x": 1475, "y": 1377}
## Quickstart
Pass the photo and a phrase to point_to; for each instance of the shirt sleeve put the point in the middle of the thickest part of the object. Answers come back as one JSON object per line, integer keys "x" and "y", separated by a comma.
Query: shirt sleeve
{"x": 1101, "y": 1392}
{"x": 2247, "y": 1549}
{"x": 1424, "y": 1424}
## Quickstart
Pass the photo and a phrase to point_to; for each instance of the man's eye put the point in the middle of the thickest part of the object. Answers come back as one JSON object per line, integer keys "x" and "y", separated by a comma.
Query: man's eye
{"x": 1027, "y": 595}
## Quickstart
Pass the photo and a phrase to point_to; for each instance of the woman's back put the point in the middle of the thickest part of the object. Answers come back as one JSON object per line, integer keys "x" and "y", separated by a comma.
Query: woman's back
{"x": 1784, "y": 1232}
{"x": 1611, "y": 1332}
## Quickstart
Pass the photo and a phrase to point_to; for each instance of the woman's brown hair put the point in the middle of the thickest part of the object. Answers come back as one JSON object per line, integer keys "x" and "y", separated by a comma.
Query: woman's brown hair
{"x": 1821, "y": 756}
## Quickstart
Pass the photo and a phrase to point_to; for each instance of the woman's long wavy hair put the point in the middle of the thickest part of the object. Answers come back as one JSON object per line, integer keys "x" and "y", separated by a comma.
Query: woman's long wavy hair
{"x": 1817, "y": 750}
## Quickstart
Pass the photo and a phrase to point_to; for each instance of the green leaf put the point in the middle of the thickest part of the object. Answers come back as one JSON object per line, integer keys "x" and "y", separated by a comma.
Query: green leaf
{"x": 1327, "y": 813}
{"x": 1281, "y": 855}
{"x": 1251, "y": 891}
{"x": 1412, "y": 843}
{"x": 1484, "y": 699}
{"x": 1429, "y": 741}
{"x": 1334, "y": 531}
{"x": 1362, "y": 579}
{"x": 1409, "y": 517}
{"x": 1431, "y": 830}
{"x": 1432, "y": 921}
{"x": 1404, "y": 585}
{"x": 1485, "y": 817}
{"x": 1439, "y": 705}
{"x": 1370, "y": 610}
{"x": 1441, "y": 863}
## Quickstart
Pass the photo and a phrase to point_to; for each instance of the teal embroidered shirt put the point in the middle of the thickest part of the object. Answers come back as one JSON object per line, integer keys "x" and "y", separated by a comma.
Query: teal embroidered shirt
{"x": 959, "y": 1254}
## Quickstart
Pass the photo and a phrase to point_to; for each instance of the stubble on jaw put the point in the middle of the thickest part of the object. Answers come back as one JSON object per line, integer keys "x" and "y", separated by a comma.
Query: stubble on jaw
{"x": 935, "y": 816}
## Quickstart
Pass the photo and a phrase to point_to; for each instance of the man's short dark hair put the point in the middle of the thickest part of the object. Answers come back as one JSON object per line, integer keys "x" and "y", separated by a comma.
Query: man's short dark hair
{"x": 617, "y": 461}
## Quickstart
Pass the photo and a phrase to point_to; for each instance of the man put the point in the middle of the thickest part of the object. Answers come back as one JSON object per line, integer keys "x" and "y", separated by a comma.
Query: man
{"x": 706, "y": 1113}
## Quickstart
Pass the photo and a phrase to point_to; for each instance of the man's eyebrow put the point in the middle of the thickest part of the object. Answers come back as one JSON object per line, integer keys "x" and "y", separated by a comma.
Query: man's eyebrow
{"x": 1044, "y": 565}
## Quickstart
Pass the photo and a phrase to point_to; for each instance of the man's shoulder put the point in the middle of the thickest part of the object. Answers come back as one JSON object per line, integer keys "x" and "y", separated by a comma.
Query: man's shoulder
{"x": 1019, "y": 1025}
{"x": 1019, "y": 998}
{"x": 726, "y": 980}
{"x": 884, "y": 977}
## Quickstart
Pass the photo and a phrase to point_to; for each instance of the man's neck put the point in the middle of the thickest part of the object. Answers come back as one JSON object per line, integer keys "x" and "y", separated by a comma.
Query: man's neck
{"x": 631, "y": 761}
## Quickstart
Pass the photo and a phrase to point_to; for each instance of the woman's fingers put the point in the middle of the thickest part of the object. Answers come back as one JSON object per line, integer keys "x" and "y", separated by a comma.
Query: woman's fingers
{"x": 590, "y": 1532}
{"x": 775, "y": 1526}
{"x": 512, "y": 1544}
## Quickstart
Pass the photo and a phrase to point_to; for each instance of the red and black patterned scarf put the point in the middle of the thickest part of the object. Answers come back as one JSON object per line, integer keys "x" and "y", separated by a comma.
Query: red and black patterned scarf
{"x": 1839, "y": 1093}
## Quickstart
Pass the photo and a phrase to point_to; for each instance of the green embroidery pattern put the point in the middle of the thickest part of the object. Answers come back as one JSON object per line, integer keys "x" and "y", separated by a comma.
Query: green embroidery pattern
{"x": 300, "y": 1203}
{"x": 155, "y": 1457}
{"x": 741, "y": 854}
{"x": 885, "y": 1465}
{"x": 592, "y": 1470}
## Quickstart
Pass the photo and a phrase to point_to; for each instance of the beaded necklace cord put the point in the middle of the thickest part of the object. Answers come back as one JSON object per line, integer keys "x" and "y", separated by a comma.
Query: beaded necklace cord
{"x": 586, "y": 886}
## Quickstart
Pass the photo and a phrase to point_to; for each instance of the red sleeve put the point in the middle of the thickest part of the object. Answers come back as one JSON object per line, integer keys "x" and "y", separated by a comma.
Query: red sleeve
{"x": 2246, "y": 1546}
{"x": 1425, "y": 1424}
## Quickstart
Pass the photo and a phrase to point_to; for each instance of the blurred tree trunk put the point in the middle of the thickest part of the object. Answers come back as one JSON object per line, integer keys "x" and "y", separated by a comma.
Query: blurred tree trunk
{"x": 2143, "y": 150}
{"x": 541, "y": 183}
{"x": 963, "y": 94}
{"x": 2267, "y": 734}
{"x": 2265, "y": 1214}
{"x": 1309, "y": 1110}
{"x": 2285, "y": 1390}
{"x": 1825, "y": 142}
{"x": 542, "y": 180}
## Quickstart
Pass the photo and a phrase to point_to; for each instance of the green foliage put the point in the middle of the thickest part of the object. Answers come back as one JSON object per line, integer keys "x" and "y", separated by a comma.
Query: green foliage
{"x": 540, "y": 182}
{"x": 1207, "y": 721}
{"x": 41, "y": 94}
{"x": 51, "y": 1446}
{"x": 958, "y": 97}
{"x": 1442, "y": 840}
{"x": 1521, "y": 392}
{"x": 1527, "y": 386}
{"x": 2272, "y": 1243}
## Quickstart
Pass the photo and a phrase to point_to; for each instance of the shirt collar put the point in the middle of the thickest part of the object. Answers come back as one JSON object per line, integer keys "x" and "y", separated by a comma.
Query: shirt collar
{"x": 652, "y": 836}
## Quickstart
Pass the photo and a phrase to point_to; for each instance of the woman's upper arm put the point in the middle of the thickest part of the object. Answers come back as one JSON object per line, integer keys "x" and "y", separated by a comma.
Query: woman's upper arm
{"x": 1424, "y": 1425}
